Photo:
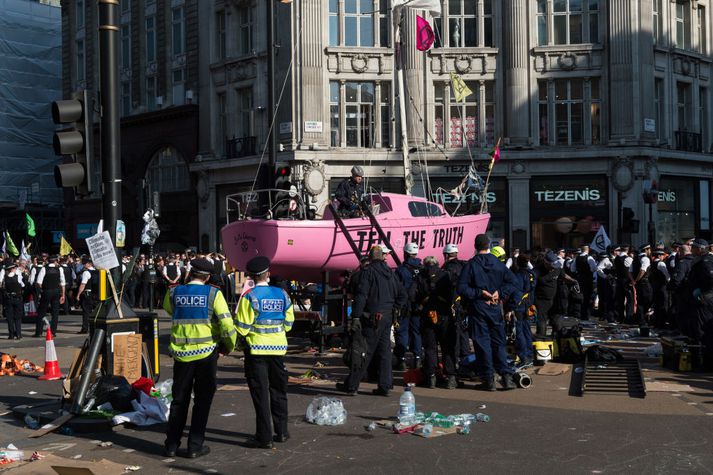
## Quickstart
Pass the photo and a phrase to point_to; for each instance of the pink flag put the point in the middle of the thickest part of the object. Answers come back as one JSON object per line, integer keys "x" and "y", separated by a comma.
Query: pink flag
{"x": 424, "y": 34}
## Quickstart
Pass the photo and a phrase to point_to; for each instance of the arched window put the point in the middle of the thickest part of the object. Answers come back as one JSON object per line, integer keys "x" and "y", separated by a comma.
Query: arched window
{"x": 168, "y": 172}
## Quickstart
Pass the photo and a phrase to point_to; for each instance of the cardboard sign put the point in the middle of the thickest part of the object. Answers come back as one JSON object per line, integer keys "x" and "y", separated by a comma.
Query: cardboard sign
{"x": 127, "y": 357}
{"x": 102, "y": 251}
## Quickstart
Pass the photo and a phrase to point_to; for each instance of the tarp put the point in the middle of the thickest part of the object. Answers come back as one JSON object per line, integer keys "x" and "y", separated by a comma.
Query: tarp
{"x": 30, "y": 80}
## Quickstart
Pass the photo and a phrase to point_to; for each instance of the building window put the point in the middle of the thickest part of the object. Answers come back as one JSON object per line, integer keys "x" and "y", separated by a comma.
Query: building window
{"x": 543, "y": 122}
{"x": 384, "y": 24}
{"x": 179, "y": 86}
{"x": 703, "y": 116}
{"x": 334, "y": 113}
{"x": 567, "y": 22}
{"x": 359, "y": 107}
{"x": 167, "y": 172}
{"x": 222, "y": 124}
{"x": 656, "y": 22}
{"x": 386, "y": 114}
{"x": 659, "y": 106}
{"x": 683, "y": 106}
{"x": 179, "y": 28}
{"x": 682, "y": 19}
{"x": 150, "y": 93}
{"x": 595, "y": 108}
{"x": 462, "y": 26}
{"x": 81, "y": 67}
{"x": 79, "y": 14}
{"x": 701, "y": 26}
{"x": 569, "y": 99}
{"x": 333, "y": 22}
{"x": 488, "y": 23}
{"x": 563, "y": 112}
{"x": 125, "y": 6}
{"x": 245, "y": 111}
{"x": 125, "y": 98}
{"x": 359, "y": 22}
{"x": 125, "y": 47}
{"x": 458, "y": 124}
{"x": 220, "y": 35}
{"x": 245, "y": 20}
{"x": 150, "y": 39}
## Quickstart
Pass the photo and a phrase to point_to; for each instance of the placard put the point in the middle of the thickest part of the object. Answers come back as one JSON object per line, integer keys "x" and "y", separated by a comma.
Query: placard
{"x": 127, "y": 357}
{"x": 102, "y": 251}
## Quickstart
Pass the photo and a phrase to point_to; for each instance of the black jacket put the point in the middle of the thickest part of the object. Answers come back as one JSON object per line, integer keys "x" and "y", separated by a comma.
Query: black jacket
{"x": 378, "y": 291}
{"x": 349, "y": 193}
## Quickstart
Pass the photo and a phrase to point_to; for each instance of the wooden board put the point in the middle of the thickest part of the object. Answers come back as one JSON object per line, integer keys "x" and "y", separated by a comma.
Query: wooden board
{"x": 127, "y": 357}
{"x": 50, "y": 426}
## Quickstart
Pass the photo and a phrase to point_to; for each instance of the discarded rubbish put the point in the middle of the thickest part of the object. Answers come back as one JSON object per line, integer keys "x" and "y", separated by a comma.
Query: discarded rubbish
{"x": 32, "y": 392}
{"x": 579, "y": 370}
{"x": 522, "y": 380}
{"x": 132, "y": 468}
{"x": 407, "y": 405}
{"x": 66, "y": 431}
{"x": 31, "y": 422}
{"x": 105, "y": 444}
{"x": 425, "y": 430}
{"x": 326, "y": 411}
{"x": 482, "y": 406}
{"x": 228, "y": 414}
{"x": 370, "y": 427}
{"x": 9, "y": 455}
{"x": 164, "y": 390}
{"x": 654, "y": 351}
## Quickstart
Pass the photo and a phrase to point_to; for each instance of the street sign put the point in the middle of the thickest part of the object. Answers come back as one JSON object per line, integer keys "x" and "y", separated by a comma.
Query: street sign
{"x": 102, "y": 251}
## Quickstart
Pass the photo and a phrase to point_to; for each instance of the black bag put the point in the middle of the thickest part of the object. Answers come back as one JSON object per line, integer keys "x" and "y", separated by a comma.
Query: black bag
{"x": 603, "y": 354}
{"x": 567, "y": 343}
{"x": 355, "y": 356}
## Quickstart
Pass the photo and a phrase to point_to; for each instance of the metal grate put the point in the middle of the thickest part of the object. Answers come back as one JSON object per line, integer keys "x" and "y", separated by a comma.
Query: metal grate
{"x": 620, "y": 377}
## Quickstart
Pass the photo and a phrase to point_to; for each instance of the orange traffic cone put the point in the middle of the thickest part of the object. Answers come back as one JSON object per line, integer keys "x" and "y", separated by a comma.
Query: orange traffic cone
{"x": 51, "y": 364}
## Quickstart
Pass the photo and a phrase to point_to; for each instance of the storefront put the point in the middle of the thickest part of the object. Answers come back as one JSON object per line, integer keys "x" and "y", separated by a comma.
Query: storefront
{"x": 683, "y": 209}
{"x": 567, "y": 211}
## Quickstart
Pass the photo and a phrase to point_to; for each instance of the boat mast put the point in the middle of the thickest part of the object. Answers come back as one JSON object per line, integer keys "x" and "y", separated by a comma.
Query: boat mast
{"x": 398, "y": 46}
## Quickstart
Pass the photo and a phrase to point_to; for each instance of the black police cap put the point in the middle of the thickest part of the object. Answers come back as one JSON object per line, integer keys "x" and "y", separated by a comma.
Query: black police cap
{"x": 201, "y": 266}
{"x": 258, "y": 265}
{"x": 700, "y": 243}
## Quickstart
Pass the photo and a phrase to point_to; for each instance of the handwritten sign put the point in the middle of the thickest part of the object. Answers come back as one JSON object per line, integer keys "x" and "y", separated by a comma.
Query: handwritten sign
{"x": 127, "y": 357}
{"x": 102, "y": 251}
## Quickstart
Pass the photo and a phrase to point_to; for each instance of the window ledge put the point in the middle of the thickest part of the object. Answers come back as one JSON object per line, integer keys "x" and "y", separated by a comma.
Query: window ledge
{"x": 359, "y": 50}
{"x": 704, "y": 58}
{"x": 459, "y": 51}
{"x": 552, "y": 49}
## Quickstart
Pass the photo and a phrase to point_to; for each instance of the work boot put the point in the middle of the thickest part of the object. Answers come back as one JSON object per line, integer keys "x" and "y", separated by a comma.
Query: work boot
{"x": 508, "y": 382}
{"x": 452, "y": 383}
{"x": 431, "y": 382}
{"x": 487, "y": 384}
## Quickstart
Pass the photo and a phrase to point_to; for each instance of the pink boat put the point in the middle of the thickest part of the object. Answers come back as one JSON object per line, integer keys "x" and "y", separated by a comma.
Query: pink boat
{"x": 301, "y": 249}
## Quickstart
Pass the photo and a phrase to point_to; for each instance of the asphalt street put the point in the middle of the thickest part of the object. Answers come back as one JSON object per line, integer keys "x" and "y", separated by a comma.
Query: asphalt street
{"x": 539, "y": 430}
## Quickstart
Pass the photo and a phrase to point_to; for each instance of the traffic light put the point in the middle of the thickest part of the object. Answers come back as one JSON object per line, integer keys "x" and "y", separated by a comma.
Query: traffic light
{"x": 282, "y": 178}
{"x": 75, "y": 140}
{"x": 628, "y": 223}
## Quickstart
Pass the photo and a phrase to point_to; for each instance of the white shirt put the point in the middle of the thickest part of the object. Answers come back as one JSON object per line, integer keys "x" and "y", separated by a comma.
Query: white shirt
{"x": 2, "y": 275}
{"x": 645, "y": 264}
{"x": 33, "y": 274}
{"x": 43, "y": 271}
{"x": 663, "y": 268}
{"x": 590, "y": 260}
{"x": 604, "y": 265}
{"x": 86, "y": 277}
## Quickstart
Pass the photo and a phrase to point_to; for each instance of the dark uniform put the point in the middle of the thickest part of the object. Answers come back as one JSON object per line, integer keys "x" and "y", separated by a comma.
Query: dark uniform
{"x": 434, "y": 300}
{"x": 644, "y": 291}
{"x": 701, "y": 320}
{"x": 51, "y": 291}
{"x": 173, "y": 273}
{"x": 525, "y": 283}
{"x": 680, "y": 288}
{"x": 546, "y": 282}
{"x": 90, "y": 280}
{"x": 624, "y": 298}
{"x": 585, "y": 278}
{"x": 67, "y": 270}
{"x": 349, "y": 194}
{"x": 453, "y": 268}
{"x": 12, "y": 306}
{"x": 484, "y": 272}
{"x": 659, "y": 277}
{"x": 408, "y": 334}
{"x": 379, "y": 293}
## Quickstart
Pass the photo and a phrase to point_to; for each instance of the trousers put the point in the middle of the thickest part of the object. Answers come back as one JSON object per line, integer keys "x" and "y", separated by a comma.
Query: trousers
{"x": 88, "y": 304}
{"x": 13, "y": 311}
{"x": 544, "y": 308}
{"x": 200, "y": 377}
{"x": 488, "y": 333}
{"x": 48, "y": 300}
{"x": 378, "y": 342}
{"x": 523, "y": 336}
{"x": 444, "y": 334}
{"x": 267, "y": 380}
{"x": 408, "y": 336}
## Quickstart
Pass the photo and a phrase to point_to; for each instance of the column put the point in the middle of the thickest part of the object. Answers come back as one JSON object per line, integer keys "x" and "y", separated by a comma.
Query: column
{"x": 412, "y": 64}
{"x": 314, "y": 86}
{"x": 517, "y": 98}
{"x": 377, "y": 114}
{"x": 621, "y": 67}
{"x": 342, "y": 114}
{"x": 519, "y": 204}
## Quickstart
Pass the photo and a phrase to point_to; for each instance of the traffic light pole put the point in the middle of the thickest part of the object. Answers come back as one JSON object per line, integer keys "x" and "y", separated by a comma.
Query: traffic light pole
{"x": 270, "y": 175}
{"x": 110, "y": 139}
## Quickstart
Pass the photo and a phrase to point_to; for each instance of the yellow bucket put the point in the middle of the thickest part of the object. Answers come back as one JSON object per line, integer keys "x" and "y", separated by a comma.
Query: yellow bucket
{"x": 543, "y": 352}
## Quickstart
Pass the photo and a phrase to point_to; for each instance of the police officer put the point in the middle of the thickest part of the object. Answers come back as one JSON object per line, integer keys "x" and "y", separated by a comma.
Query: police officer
{"x": 350, "y": 192}
{"x": 379, "y": 293}
{"x": 12, "y": 307}
{"x": 483, "y": 280}
{"x": 201, "y": 329}
{"x": 640, "y": 271}
{"x": 679, "y": 287}
{"x": 606, "y": 285}
{"x": 623, "y": 298}
{"x": 172, "y": 272}
{"x": 408, "y": 334}
{"x": 525, "y": 282}
{"x": 546, "y": 281}
{"x": 583, "y": 267}
{"x": 69, "y": 278}
{"x": 265, "y": 315}
{"x": 88, "y": 292}
{"x": 701, "y": 279}
{"x": 453, "y": 267}
{"x": 659, "y": 278}
{"x": 434, "y": 302}
{"x": 51, "y": 280}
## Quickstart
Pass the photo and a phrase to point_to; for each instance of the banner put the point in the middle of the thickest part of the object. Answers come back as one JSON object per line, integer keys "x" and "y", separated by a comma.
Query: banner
{"x": 601, "y": 241}
{"x": 433, "y": 6}
{"x": 424, "y": 34}
{"x": 11, "y": 247}
{"x": 64, "y": 247}
{"x": 460, "y": 90}
{"x": 30, "y": 225}
{"x": 23, "y": 252}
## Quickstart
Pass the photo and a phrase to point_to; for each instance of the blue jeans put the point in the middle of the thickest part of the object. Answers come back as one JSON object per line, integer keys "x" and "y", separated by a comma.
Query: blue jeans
{"x": 523, "y": 337}
{"x": 408, "y": 336}
{"x": 487, "y": 329}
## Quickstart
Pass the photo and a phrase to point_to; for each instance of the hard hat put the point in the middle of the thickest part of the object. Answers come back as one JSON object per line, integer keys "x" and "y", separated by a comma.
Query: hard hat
{"x": 384, "y": 249}
{"x": 498, "y": 252}
{"x": 357, "y": 170}
{"x": 450, "y": 249}
{"x": 411, "y": 248}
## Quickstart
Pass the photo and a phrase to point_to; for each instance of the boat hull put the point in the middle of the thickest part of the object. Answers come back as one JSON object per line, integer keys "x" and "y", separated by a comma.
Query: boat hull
{"x": 302, "y": 250}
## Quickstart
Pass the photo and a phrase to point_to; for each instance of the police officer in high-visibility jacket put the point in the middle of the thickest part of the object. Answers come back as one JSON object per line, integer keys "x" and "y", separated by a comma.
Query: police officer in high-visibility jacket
{"x": 265, "y": 315}
{"x": 202, "y": 328}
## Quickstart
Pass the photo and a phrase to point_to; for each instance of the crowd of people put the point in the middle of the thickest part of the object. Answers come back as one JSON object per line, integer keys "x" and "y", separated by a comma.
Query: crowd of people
{"x": 493, "y": 296}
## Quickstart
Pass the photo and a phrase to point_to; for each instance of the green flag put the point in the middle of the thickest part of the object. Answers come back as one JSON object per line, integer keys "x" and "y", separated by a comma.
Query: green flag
{"x": 11, "y": 247}
{"x": 30, "y": 225}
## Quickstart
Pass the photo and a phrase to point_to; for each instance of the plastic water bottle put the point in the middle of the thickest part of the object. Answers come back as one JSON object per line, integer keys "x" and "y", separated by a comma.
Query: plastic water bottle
{"x": 407, "y": 406}
{"x": 480, "y": 417}
{"x": 427, "y": 430}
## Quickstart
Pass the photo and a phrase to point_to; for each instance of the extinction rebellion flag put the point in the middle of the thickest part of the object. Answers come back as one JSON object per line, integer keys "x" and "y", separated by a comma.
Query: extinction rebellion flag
{"x": 424, "y": 34}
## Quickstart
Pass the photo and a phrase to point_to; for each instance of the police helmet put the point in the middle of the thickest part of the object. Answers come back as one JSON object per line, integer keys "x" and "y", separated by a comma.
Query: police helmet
{"x": 498, "y": 252}
{"x": 450, "y": 249}
{"x": 357, "y": 170}
{"x": 411, "y": 248}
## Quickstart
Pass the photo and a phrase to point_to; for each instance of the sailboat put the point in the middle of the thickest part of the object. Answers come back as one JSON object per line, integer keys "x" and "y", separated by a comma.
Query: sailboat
{"x": 274, "y": 223}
